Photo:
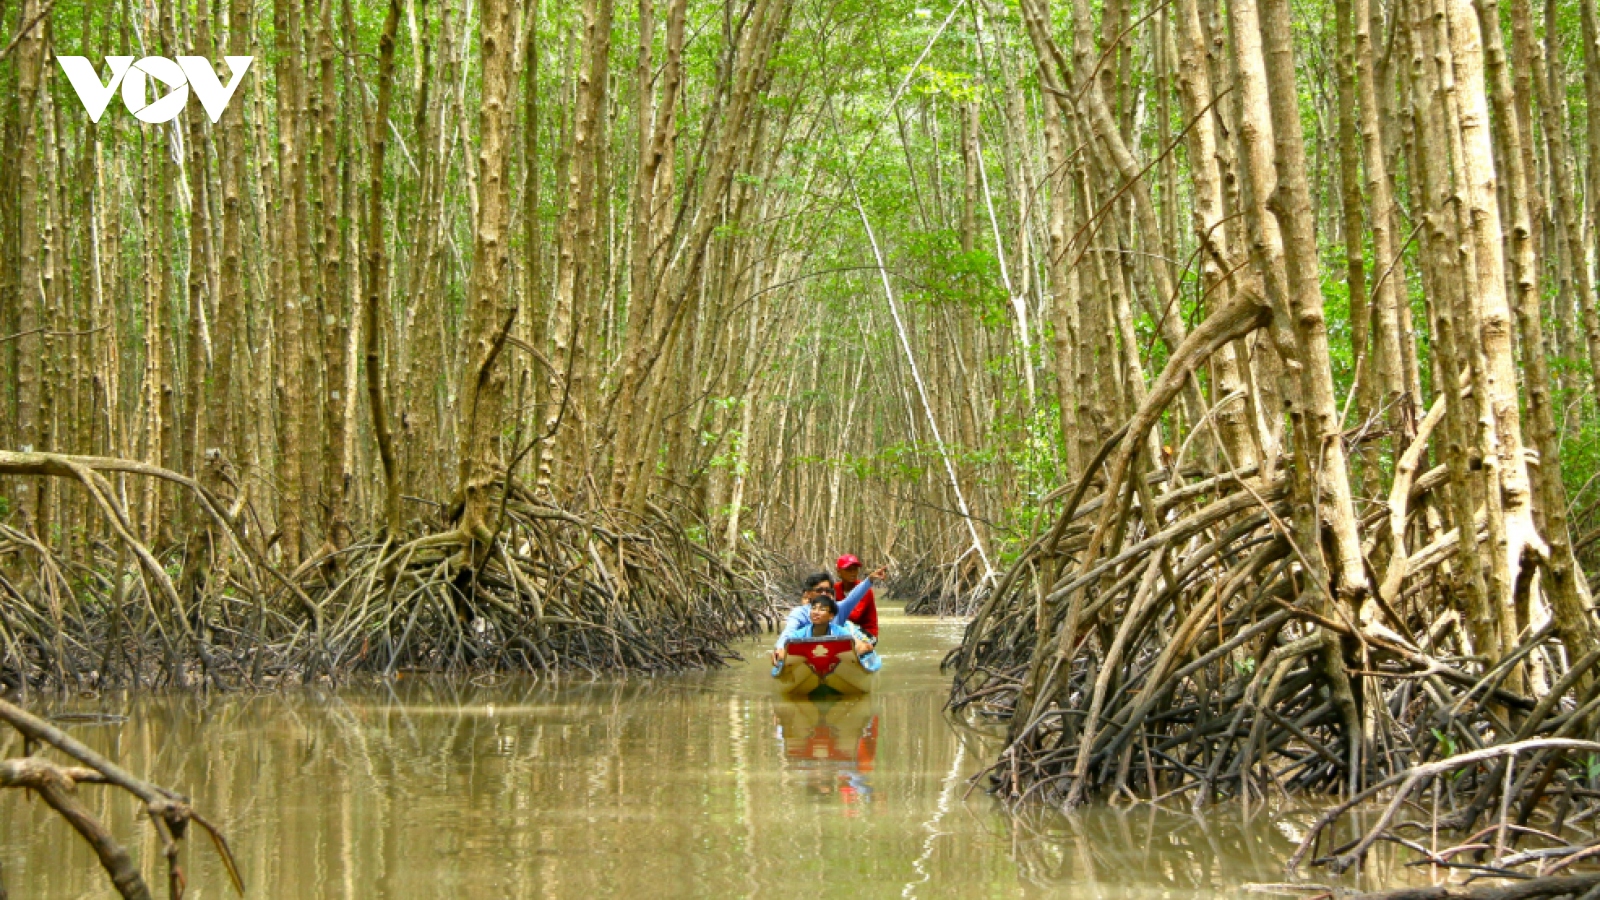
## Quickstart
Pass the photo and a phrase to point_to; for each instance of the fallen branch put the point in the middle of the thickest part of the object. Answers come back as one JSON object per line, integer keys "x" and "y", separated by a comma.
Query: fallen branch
{"x": 57, "y": 785}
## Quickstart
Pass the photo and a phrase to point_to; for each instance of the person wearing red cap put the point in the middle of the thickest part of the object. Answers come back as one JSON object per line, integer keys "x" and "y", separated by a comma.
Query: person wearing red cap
{"x": 865, "y": 615}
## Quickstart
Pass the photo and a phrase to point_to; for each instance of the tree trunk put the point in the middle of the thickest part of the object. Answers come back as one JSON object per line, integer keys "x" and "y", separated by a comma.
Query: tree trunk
{"x": 1291, "y": 203}
{"x": 30, "y": 319}
{"x": 374, "y": 276}
{"x": 492, "y": 307}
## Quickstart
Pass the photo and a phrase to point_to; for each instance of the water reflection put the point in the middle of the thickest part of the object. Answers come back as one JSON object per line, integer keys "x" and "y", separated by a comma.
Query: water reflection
{"x": 707, "y": 785}
{"x": 831, "y": 744}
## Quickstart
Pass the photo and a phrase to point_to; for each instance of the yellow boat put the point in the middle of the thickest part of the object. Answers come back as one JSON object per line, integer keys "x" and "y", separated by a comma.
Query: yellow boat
{"x": 824, "y": 664}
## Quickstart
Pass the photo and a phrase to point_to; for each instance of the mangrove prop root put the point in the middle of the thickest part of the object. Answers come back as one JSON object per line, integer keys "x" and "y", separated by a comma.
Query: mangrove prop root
{"x": 1576, "y": 887}
{"x": 576, "y": 588}
{"x": 1171, "y": 640}
{"x": 930, "y": 589}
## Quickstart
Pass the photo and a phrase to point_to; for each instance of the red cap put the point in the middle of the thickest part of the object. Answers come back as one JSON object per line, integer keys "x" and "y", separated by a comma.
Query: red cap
{"x": 847, "y": 562}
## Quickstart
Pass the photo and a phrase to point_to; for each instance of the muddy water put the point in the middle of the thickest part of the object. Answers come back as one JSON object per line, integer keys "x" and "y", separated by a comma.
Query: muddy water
{"x": 697, "y": 786}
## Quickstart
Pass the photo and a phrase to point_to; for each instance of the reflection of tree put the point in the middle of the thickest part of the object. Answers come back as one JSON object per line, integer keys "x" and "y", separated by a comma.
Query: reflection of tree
{"x": 438, "y": 789}
{"x": 1105, "y": 850}
{"x": 57, "y": 785}
{"x": 383, "y": 789}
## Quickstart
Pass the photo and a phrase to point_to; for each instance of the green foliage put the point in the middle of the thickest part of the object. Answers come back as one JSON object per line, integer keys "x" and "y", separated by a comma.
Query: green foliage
{"x": 958, "y": 87}
{"x": 1336, "y": 306}
{"x": 733, "y": 457}
{"x": 947, "y": 274}
{"x": 1446, "y": 743}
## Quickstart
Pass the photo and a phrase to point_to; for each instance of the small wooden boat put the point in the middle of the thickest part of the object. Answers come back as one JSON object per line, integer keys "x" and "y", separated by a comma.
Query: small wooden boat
{"x": 824, "y": 664}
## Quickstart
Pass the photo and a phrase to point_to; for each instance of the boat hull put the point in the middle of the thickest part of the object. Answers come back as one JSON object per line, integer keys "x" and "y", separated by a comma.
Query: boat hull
{"x": 824, "y": 665}
{"x": 848, "y": 677}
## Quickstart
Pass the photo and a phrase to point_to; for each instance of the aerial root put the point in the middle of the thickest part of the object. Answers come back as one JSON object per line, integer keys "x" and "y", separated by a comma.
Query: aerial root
{"x": 1554, "y": 887}
{"x": 933, "y": 589}
{"x": 552, "y": 589}
{"x": 1194, "y": 656}
{"x": 1507, "y": 845}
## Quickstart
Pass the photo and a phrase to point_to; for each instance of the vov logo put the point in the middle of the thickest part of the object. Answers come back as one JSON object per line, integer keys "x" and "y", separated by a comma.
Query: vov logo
{"x": 136, "y": 79}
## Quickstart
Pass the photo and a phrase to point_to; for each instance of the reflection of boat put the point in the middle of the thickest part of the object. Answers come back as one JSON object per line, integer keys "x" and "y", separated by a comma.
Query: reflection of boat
{"x": 834, "y": 742}
{"x": 824, "y": 664}
{"x": 842, "y": 730}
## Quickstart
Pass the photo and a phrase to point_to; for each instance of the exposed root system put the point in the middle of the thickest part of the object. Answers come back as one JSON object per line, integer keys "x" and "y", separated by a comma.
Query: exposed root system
{"x": 1517, "y": 810}
{"x": 1558, "y": 887}
{"x": 553, "y": 589}
{"x": 1181, "y": 645}
{"x": 939, "y": 590}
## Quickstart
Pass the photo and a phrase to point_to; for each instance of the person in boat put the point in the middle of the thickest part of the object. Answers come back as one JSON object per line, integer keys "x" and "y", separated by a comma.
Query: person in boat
{"x": 823, "y": 620}
{"x": 821, "y": 584}
{"x": 865, "y": 613}
{"x": 812, "y": 587}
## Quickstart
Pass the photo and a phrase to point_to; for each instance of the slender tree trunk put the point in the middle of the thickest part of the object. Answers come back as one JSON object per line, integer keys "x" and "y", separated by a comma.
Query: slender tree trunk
{"x": 1591, "y": 86}
{"x": 575, "y": 238}
{"x": 1386, "y": 371}
{"x": 644, "y": 307}
{"x": 1063, "y": 287}
{"x": 1218, "y": 260}
{"x": 1443, "y": 276}
{"x": 289, "y": 361}
{"x": 1572, "y": 619}
{"x": 1520, "y": 544}
{"x": 1350, "y": 197}
{"x": 1163, "y": 307}
{"x": 336, "y": 479}
{"x": 1292, "y": 205}
{"x": 374, "y": 276}
{"x": 222, "y": 431}
{"x": 493, "y": 307}
{"x": 30, "y": 319}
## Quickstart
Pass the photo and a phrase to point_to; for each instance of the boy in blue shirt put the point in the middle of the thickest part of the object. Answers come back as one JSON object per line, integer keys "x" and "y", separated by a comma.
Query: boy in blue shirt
{"x": 821, "y": 585}
{"x": 825, "y": 620}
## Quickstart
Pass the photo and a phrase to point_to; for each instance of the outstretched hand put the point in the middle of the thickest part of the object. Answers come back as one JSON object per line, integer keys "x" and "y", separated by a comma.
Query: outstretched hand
{"x": 879, "y": 573}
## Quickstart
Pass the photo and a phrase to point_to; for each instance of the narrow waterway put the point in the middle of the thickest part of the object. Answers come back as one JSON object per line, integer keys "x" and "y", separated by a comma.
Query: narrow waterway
{"x": 705, "y": 785}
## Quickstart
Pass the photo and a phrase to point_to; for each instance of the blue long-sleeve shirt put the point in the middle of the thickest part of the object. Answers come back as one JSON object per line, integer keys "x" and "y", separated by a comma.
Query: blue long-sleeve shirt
{"x": 837, "y": 628}
{"x": 800, "y": 616}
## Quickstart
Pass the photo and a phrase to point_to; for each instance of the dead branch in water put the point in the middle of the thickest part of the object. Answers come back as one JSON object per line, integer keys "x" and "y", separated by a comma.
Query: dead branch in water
{"x": 57, "y": 785}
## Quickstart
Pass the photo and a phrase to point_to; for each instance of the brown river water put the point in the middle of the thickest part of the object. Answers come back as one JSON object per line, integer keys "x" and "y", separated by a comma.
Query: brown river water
{"x": 704, "y": 786}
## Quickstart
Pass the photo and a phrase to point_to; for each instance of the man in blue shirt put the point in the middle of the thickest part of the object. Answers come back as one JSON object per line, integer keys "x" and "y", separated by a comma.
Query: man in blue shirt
{"x": 825, "y": 620}
{"x": 820, "y": 585}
